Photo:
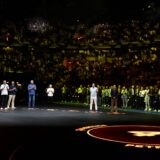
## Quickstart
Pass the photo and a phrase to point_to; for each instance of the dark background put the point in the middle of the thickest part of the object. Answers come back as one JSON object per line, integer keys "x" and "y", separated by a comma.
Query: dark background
{"x": 71, "y": 10}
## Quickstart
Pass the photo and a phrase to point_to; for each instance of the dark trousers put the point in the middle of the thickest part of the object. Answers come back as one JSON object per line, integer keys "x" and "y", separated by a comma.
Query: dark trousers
{"x": 4, "y": 99}
{"x": 50, "y": 100}
{"x": 114, "y": 107}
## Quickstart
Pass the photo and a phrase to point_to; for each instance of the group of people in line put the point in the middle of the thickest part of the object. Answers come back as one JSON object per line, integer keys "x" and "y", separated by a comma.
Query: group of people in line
{"x": 8, "y": 95}
{"x": 9, "y": 91}
{"x": 8, "y": 102}
{"x": 93, "y": 98}
{"x": 144, "y": 95}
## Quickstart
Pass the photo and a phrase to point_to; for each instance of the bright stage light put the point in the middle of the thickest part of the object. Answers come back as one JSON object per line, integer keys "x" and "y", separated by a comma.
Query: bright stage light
{"x": 38, "y": 25}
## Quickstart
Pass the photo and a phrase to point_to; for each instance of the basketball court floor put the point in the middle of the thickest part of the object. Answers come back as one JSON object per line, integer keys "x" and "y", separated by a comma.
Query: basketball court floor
{"x": 59, "y": 132}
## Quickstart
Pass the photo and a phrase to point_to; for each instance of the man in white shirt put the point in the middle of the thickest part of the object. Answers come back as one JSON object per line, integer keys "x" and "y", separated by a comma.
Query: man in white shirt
{"x": 93, "y": 97}
{"x": 4, "y": 94}
{"x": 50, "y": 93}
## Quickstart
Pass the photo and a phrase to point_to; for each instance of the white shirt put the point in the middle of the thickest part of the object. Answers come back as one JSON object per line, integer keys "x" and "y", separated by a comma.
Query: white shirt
{"x": 50, "y": 92}
{"x": 93, "y": 91}
{"x": 4, "y": 89}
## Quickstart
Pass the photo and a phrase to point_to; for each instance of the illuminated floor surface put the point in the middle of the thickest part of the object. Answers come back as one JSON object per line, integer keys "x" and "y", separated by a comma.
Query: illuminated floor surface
{"x": 70, "y": 132}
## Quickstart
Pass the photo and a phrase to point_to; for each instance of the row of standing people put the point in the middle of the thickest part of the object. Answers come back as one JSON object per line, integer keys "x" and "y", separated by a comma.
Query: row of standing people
{"x": 9, "y": 101}
{"x": 143, "y": 98}
{"x": 93, "y": 98}
{"x": 135, "y": 97}
{"x": 8, "y": 94}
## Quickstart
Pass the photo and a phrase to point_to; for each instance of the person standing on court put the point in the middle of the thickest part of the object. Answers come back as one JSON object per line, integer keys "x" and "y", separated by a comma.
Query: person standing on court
{"x": 50, "y": 94}
{"x": 114, "y": 99}
{"x": 12, "y": 96}
{"x": 31, "y": 94}
{"x": 4, "y": 94}
{"x": 93, "y": 97}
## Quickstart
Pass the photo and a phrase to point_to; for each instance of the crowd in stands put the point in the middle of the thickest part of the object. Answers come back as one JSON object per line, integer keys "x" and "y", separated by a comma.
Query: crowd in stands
{"x": 122, "y": 53}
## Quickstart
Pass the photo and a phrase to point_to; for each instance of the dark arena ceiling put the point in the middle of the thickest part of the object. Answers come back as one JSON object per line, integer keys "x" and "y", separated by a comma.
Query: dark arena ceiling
{"x": 76, "y": 9}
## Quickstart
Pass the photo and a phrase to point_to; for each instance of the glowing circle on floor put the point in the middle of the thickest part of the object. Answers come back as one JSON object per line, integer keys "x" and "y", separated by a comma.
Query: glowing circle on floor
{"x": 131, "y": 135}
